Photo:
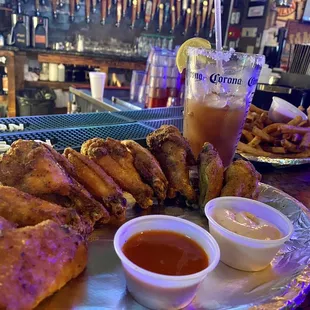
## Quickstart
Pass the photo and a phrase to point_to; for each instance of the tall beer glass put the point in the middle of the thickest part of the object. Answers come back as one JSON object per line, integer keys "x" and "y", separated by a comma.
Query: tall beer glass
{"x": 219, "y": 89}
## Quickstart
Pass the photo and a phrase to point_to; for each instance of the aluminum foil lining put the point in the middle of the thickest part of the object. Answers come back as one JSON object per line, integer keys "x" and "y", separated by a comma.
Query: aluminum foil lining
{"x": 276, "y": 161}
{"x": 282, "y": 285}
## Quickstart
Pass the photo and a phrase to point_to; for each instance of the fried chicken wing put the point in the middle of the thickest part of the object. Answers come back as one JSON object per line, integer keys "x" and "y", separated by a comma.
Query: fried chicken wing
{"x": 211, "y": 174}
{"x": 174, "y": 155}
{"x": 148, "y": 168}
{"x": 31, "y": 167}
{"x": 118, "y": 163}
{"x": 241, "y": 180}
{"x": 36, "y": 261}
{"x": 5, "y": 225}
{"x": 26, "y": 210}
{"x": 37, "y": 169}
{"x": 98, "y": 183}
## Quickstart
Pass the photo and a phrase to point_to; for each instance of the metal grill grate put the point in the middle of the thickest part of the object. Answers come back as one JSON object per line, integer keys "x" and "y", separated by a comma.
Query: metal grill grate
{"x": 177, "y": 122}
{"x": 32, "y": 123}
{"x": 148, "y": 114}
{"x": 62, "y": 138}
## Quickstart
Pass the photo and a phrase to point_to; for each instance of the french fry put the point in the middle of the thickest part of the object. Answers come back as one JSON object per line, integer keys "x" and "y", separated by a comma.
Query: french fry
{"x": 257, "y": 110}
{"x": 295, "y": 121}
{"x": 248, "y": 135}
{"x": 303, "y": 154}
{"x": 273, "y": 127}
{"x": 291, "y": 147}
{"x": 292, "y": 129}
{"x": 275, "y": 149}
{"x": 250, "y": 117}
{"x": 275, "y": 134}
{"x": 304, "y": 124}
{"x": 262, "y": 135}
{"x": 259, "y": 124}
{"x": 255, "y": 142}
{"x": 305, "y": 143}
{"x": 263, "y": 117}
{"x": 242, "y": 147}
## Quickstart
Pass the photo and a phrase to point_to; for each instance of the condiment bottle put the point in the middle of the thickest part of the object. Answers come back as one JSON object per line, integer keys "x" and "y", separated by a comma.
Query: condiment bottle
{"x": 53, "y": 72}
{"x": 5, "y": 82}
{"x": 61, "y": 73}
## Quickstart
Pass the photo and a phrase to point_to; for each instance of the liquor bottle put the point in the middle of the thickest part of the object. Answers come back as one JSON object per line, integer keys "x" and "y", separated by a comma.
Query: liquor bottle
{"x": 1, "y": 74}
{"x": 5, "y": 82}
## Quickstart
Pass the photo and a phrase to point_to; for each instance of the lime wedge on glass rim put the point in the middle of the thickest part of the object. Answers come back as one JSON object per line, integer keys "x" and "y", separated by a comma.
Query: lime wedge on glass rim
{"x": 181, "y": 57}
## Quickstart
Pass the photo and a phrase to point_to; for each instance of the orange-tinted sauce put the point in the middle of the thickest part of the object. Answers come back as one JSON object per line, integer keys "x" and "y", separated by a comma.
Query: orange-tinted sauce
{"x": 165, "y": 252}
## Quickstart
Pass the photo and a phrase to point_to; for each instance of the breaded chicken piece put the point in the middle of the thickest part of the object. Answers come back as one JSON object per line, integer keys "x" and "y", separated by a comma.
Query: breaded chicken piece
{"x": 211, "y": 174}
{"x": 36, "y": 261}
{"x": 5, "y": 225}
{"x": 241, "y": 180}
{"x": 26, "y": 210}
{"x": 98, "y": 183}
{"x": 148, "y": 168}
{"x": 37, "y": 169}
{"x": 118, "y": 163}
{"x": 174, "y": 156}
{"x": 31, "y": 167}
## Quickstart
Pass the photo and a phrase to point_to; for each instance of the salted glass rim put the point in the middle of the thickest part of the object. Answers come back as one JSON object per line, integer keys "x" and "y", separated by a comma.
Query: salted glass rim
{"x": 225, "y": 56}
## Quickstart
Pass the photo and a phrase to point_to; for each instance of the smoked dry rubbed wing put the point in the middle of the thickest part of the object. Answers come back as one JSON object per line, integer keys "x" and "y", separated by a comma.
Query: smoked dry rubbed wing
{"x": 211, "y": 174}
{"x": 36, "y": 261}
{"x": 148, "y": 168}
{"x": 31, "y": 167}
{"x": 26, "y": 210}
{"x": 117, "y": 162}
{"x": 98, "y": 183}
{"x": 241, "y": 180}
{"x": 37, "y": 169}
{"x": 174, "y": 155}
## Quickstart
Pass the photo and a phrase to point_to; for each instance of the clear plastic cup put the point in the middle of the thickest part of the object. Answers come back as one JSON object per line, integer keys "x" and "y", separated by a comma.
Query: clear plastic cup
{"x": 241, "y": 252}
{"x": 162, "y": 292}
{"x": 219, "y": 89}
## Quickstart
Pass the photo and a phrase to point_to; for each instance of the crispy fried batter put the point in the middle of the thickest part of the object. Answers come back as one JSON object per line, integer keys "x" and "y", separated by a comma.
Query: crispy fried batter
{"x": 36, "y": 261}
{"x": 174, "y": 155}
{"x": 241, "y": 180}
{"x": 148, "y": 168}
{"x": 211, "y": 174}
{"x": 26, "y": 210}
{"x": 33, "y": 168}
{"x": 5, "y": 225}
{"x": 98, "y": 183}
{"x": 116, "y": 161}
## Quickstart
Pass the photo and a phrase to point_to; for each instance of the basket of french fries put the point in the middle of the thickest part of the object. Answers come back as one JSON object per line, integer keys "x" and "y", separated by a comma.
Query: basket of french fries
{"x": 263, "y": 140}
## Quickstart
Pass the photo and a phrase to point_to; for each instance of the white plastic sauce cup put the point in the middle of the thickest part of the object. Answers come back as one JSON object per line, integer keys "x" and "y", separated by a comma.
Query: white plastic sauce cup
{"x": 281, "y": 111}
{"x": 157, "y": 291}
{"x": 242, "y": 252}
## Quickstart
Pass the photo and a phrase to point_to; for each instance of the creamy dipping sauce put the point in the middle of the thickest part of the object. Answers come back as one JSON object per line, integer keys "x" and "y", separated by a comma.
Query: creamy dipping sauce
{"x": 246, "y": 224}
